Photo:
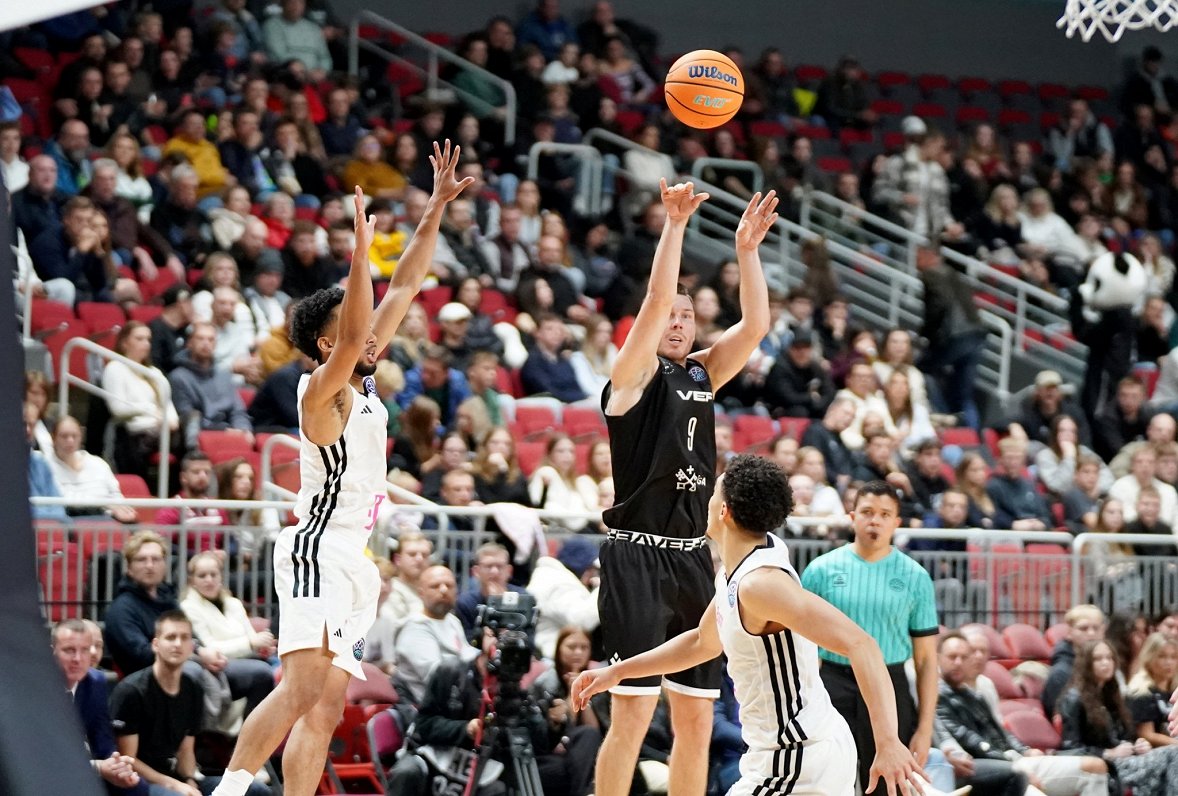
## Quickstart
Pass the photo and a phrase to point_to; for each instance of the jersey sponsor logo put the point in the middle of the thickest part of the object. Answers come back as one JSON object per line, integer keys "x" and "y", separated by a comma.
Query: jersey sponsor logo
{"x": 369, "y": 385}
{"x": 338, "y": 633}
{"x": 897, "y": 584}
{"x": 367, "y": 410}
{"x": 839, "y": 579}
{"x": 702, "y": 396}
{"x": 358, "y": 650}
{"x": 689, "y": 480}
{"x": 697, "y": 373}
{"x": 731, "y": 595}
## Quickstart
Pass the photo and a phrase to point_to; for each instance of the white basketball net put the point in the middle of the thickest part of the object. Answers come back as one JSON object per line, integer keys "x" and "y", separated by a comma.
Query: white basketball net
{"x": 1111, "y": 18}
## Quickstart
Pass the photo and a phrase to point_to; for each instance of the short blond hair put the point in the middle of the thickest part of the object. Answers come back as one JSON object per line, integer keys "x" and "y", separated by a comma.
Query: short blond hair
{"x": 137, "y": 540}
{"x": 1083, "y": 611}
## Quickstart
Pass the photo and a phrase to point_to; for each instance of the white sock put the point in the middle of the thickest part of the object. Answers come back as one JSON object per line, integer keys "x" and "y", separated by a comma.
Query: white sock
{"x": 234, "y": 783}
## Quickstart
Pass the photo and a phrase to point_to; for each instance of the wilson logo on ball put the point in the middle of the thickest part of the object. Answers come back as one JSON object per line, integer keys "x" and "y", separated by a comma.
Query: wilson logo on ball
{"x": 712, "y": 73}
{"x": 710, "y": 102}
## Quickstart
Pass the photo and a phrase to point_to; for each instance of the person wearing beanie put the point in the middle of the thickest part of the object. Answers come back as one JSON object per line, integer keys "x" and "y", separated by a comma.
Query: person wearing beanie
{"x": 565, "y": 588}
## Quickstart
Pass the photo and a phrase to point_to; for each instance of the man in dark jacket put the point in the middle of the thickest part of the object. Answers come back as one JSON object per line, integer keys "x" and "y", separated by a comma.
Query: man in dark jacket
{"x": 205, "y": 397}
{"x": 1085, "y": 623}
{"x": 1149, "y": 85}
{"x": 970, "y": 721}
{"x": 1017, "y": 504}
{"x": 546, "y": 370}
{"x": 1043, "y": 405}
{"x": 275, "y": 408}
{"x": 954, "y": 333}
{"x": 305, "y": 271}
{"x": 449, "y": 725}
{"x": 73, "y": 252}
{"x": 797, "y": 385}
{"x": 826, "y": 437}
{"x": 37, "y": 206}
{"x": 1122, "y": 421}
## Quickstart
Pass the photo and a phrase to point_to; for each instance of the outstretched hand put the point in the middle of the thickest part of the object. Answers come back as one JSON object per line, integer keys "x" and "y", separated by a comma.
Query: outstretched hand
{"x": 759, "y": 217}
{"x": 680, "y": 200}
{"x": 365, "y": 225}
{"x": 445, "y": 161}
{"x": 589, "y": 683}
{"x": 896, "y": 766}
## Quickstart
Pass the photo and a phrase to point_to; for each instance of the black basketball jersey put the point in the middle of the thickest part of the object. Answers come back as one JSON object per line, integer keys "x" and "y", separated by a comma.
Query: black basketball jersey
{"x": 664, "y": 454}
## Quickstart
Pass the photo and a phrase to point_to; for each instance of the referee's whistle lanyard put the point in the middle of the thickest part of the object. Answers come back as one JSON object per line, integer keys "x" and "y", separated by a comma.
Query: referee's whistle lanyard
{"x": 484, "y": 704}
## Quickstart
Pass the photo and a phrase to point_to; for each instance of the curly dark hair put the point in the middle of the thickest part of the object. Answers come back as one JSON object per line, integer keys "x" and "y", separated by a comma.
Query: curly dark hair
{"x": 757, "y": 493}
{"x": 309, "y": 318}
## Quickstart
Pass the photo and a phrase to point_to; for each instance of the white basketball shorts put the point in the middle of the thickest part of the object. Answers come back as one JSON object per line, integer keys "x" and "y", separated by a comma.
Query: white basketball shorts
{"x": 822, "y": 767}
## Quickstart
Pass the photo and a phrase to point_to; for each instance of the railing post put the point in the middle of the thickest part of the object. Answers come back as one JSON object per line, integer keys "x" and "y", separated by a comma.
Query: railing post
{"x": 1077, "y": 564}
{"x": 1020, "y": 319}
{"x": 354, "y": 48}
{"x": 804, "y": 213}
{"x": 431, "y": 80}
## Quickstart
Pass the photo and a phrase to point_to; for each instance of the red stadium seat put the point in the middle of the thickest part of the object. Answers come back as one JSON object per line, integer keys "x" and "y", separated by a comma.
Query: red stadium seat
{"x": 810, "y": 73}
{"x": 885, "y": 107}
{"x": 1026, "y": 642}
{"x": 970, "y": 86}
{"x": 145, "y": 313}
{"x": 223, "y": 445}
{"x": 893, "y": 141}
{"x": 529, "y": 455}
{"x": 100, "y": 316}
{"x": 834, "y": 164}
{"x": 889, "y": 80}
{"x": 755, "y": 428}
{"x": 434, "y": 298}
{"x": 963, "y": 437}
{"x": 1092, "y": 93}
{"x": 535, "y": 419}
{"x": 61, "y": 573}
{"x": 1052, "y": 91}
{"x": 930, "y": 110}
{"x": 813, "y": 132}
{"x": 56, "y": 341}
{"x": 931, "y": 82}
{"x": 49, "y": 314}
{"x": 764, "y": 128}
{"x": 1009, "y": 706}
{"x": 1002, "y": 680}
{"x": 1033, "y": 729}
{"x": 1012, "y": 88}
{"x": 133, "y": 486}
{"x": 1056, "y": 633}
{"x": 794, "y": 426}
{"x": 1008, "y": 117}
{"x": 497, "y": 306}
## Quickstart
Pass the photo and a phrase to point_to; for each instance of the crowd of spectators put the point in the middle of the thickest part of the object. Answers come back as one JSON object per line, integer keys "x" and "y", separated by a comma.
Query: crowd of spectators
{"x": 189, "y": 168}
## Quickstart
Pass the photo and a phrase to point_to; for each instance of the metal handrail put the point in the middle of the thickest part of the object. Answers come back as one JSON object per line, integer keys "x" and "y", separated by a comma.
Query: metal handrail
{"x": 286, "y": 440}
{"x": 590, "y": 187}
{"x": 1084, "y": 539}
{"x": 699, "y": 164}
{"x": 163, "y": 392}
{"x": 1006, "y": 334}
{"x": 434, "y": 53}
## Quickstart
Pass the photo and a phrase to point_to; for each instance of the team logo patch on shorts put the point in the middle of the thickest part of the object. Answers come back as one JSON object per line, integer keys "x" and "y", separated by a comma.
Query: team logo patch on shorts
{"x": 697, "y": 373}
{"x": 358, "y": 650}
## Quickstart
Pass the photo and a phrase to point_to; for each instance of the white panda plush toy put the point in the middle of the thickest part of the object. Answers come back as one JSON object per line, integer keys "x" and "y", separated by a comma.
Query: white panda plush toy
{"x": 1102, "y": 318}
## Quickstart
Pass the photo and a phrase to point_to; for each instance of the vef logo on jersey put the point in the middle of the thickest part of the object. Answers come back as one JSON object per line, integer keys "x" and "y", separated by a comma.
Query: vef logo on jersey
{"x": 687, "y": 479}
{"x": 697, "y": 373}
{"x": 700, "y": 396}
{"x": 358, "y": 650}
{"x": 369, "y": 385}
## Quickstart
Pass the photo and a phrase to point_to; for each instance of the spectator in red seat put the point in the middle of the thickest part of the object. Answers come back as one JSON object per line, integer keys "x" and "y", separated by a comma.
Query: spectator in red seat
{"x": 497, "y": 476}
{"x": 594, "y": 361}
{"x": 74, "y": 253}
{"x": 1153, "y": 330}
{"x": 1086, "y": 624}
{"x": 1081, "y": 501}
{"x": 13, "y": 168}
{"x": 172, "y": 84}
{"x": 1148, "y": 521}
{"x": 910, "y": 418}
{"x": 249, "y": 250}
{"x": 913, "y": 185}
{"x": 236, "y": 340}
{"x": 454, "y": 455}
{"x": 501, "y": 47}
{"x": 40, "y": 474}
{"x": 305, "y": 270}
{"x": 507, "y": 257}
{"x": 72, "y": 642}
{"x": 135, "y": 243}
{"x": 491, "y": 573}
{"x": 998, "y": 227}
{"x": 434, "y": 377}
{"x": 482, "y": 374}
{"x": 973, "y": 724}
{"x": 1096, "y": 722}
{"x": 826, "y": 437}
{"x": 1143, "y": 473}
{"x": 548, "y": 370}
{"x": 178, "y": 218}
{"x": 196, "y": 475}
{"x": 84, "y": 476}
{"x": 38, "y": 206}
{"x": 236, "y": 480}
{"x": 797, "y": 385}
{"x": 843, "y": 99}
{"x": 218, "y": 618}
{"x": 169, "y": 330}
{"x": 897, "y": 356}
{"x": 342, "y": 129}
{"x": 189, "y": 139}
{"x": 1057, "y": 462}
{"x": 130, "y": 184}
{"x": 93, "y": 54}
{"x": 1079, "y": 134}
{"x": 248, "y": 45}
{"x": 292, "y": 37}
{"x": 550, "y": 266}
{"x": 555, "y": 486}
{"x": 1040, "y": 409}
{"x": 71, "y": 151}
{"x": 1016, "y": 503}
{"x": 415, "y": 448}
{"x": 369, "y": 170}
{"x": 776, "y": 85}
{"x": 205, "y": 398}
{"x": 972, "y": 474}
{"x": 279, "y": 216}
{"x": 1149, "y": 690}
{"x": 293, "y": 168}
{"x": 242, "y": 152}
{"x": 158, "y": 711}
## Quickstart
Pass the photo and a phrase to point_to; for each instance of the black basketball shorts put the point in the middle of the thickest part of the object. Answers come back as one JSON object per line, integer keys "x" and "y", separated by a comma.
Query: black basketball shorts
{"x": 649, "y": 595}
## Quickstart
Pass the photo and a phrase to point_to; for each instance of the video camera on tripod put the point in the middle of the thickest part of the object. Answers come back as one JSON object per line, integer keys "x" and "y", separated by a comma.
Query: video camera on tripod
{"x": 512, "y": 618}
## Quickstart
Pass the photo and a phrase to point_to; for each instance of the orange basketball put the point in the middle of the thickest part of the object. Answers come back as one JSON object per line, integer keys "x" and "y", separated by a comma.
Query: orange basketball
{"x": 704, "y": 89}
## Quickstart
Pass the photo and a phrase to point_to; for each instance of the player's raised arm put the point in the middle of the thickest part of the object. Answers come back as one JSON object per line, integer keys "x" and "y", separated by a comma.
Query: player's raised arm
{"x": 771, "y": 596}
{"x": 730, "y": 353}
{"x": 637, "y": 360}
{"x": 354, "y": 325}
{"x": 682, "y": 652}
{"x": 415, "y": 261}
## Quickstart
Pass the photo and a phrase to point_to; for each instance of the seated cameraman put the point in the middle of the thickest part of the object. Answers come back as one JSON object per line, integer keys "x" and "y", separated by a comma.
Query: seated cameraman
{"x": 450, "y": 718}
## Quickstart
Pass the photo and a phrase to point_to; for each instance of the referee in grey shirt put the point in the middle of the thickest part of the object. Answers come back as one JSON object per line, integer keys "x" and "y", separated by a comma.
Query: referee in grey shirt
{"x": 891, "y": 597}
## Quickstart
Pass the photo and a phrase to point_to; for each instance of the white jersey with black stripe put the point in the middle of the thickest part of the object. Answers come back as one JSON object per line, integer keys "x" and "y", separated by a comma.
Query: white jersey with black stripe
{"x": 775, "y": 677}
{"x": 343, "y": 485}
